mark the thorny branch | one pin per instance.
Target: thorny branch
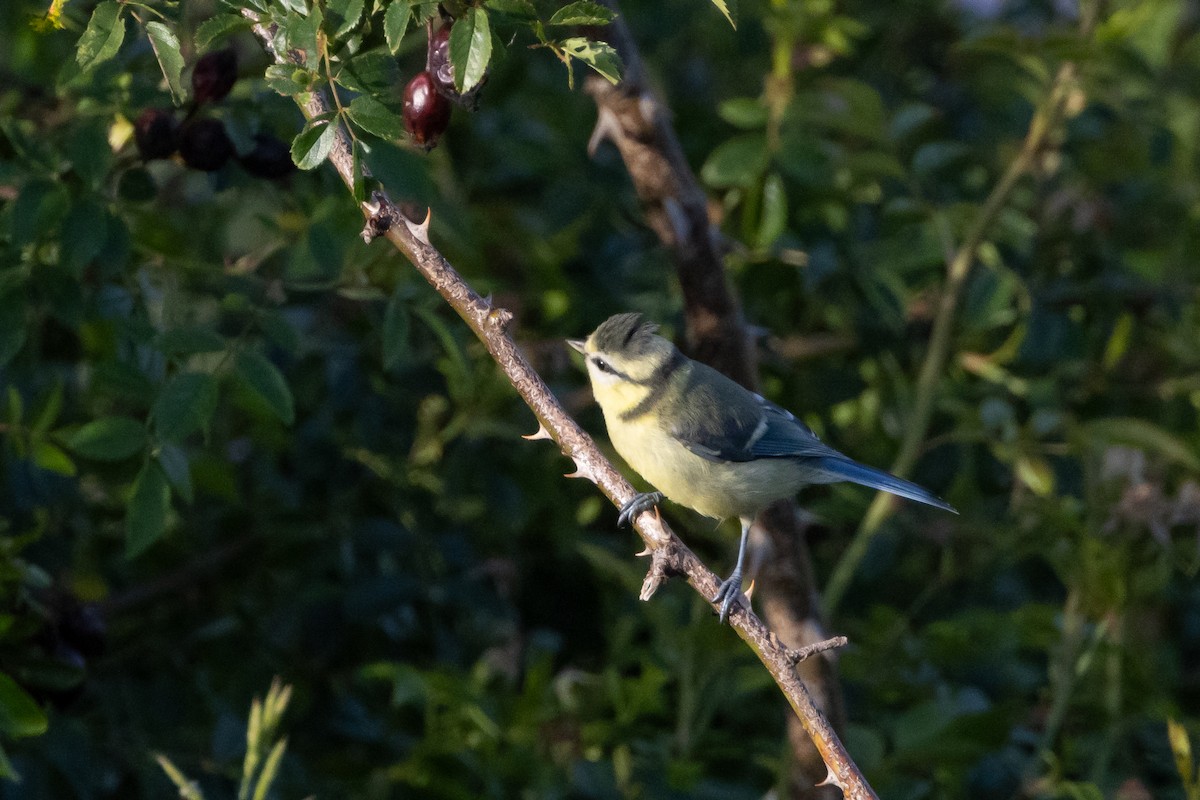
(668, 554)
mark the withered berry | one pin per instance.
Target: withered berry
(204, 145)
(214, 76)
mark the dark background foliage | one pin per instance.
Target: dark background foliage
(347, 502)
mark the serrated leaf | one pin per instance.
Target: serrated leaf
(470, 49)
(109, 439)
(395, 330)
(297, 6)
(20, 715)
(313, 144)
(103, 37)
(374, 117)
(175, 466)
(395, 23)
(165, 44)
(214, 28)
(375, 73)
(730, 9)
(146, 512)
(265, 379)
(185, 404)
(346, 14)
(600, 56)
(582, 13)
(303, 33)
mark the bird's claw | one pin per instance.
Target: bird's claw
(729, 592)
(642, 501)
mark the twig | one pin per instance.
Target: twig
(490, 324)
(958, 270)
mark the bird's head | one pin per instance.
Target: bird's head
(625, 359)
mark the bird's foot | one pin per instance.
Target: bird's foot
(728, 593)
(642, 501)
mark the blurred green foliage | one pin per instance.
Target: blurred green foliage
(237, 442)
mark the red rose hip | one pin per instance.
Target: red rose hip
(426, 113)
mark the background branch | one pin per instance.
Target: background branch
(676, 208)
(669, 554)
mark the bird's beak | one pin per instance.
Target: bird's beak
(576, 344)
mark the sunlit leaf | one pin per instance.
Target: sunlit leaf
(470, 49)
(103, 36)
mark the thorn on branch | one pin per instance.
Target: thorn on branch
(832, 780)
(796, 655)
(663, 565)
(607, 127)
(420, 230)
(540, 433)
(581, 471)
(500, 318)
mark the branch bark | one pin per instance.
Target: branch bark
(676, 208)
(669, 555)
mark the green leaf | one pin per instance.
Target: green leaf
(520, 9)
(730, 9)
(747, 113)
(49, 457)
(20, 715)
(395, 23)
(109, 439)
(375, 73)
(214, 28)
(470, 49)
(395, 330)
(302, 34)
(1142, 434)
(146, 513)
(103, 37)
(600, 56)
(582, 13)
(296, 6)
(344, 14)
(773, 221)
(185, 404)
(165, 44)
(175, 466)
(739, 161)
(265, 379)
(189, 341)
(313, 144)
(374, 117)
(1181, 748)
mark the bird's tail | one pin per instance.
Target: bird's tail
(844, 469)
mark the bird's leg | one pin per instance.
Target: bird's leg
(731, 588)
(642, 501)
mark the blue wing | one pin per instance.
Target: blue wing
(722, 421)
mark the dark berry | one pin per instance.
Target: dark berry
(214, 76)
(154, 133)
(271, 158)
(442, 71)
(426, 113)
(204, 145)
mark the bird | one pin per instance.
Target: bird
(706, 442)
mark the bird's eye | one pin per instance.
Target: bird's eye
(603, 365)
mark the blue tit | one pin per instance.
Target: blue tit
(706, 442)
